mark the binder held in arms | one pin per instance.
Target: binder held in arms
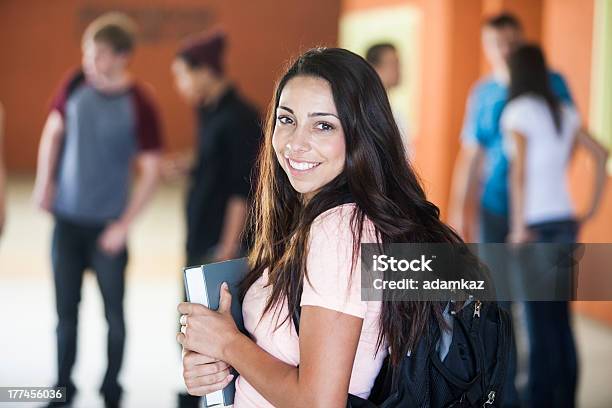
(203, 286)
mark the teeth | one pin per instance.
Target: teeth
(302, 165)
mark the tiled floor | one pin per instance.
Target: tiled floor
(152, 372)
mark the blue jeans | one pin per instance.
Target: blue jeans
(553, 362)
(494, 228)
(74, 249)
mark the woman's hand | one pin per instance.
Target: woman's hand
(203, 374)
(206, 331)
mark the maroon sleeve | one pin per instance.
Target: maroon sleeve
(148, 129)
(67, 86)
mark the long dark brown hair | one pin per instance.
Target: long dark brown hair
(529, 75)
(376, 177)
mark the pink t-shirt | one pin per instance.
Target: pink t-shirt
(331, 286)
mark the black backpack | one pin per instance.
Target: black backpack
(471, 373)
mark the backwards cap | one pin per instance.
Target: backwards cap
(205, 49)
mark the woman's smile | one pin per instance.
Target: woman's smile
(301, 167)
(308, 137)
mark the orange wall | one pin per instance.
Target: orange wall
(40, 41)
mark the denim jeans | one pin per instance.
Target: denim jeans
(75, 249)
(553, 362)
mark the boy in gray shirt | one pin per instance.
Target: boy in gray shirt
(100, 125)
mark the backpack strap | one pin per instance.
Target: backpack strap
(505, 339)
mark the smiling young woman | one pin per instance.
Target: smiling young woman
(308, 139)
(332, 174)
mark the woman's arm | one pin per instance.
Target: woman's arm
(518, 228)
(328, 344)
(600, 156)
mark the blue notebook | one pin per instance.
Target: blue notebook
(203, 285)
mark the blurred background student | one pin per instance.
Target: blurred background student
(541, 133)
(228, 136)
(385, 60)
(480, 213)
(101, 123)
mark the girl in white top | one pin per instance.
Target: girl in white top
(528, 121)
(540, 136)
